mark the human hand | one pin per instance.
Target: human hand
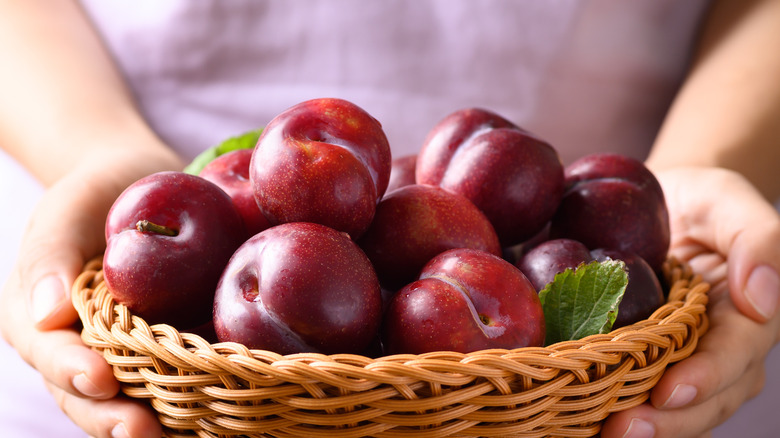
(65, 230)
(727, 232)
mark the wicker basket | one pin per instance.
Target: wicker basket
(226, 390)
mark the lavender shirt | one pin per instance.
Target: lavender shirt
(592, 75)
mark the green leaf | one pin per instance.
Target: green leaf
(583, 302)
(246, 140)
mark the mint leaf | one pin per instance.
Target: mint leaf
(583, 302)
(246, 140)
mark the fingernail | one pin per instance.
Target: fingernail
(47, 295)
(119, 431)
(639, 428)
(681, 396)
(84, 385)
(762, 290)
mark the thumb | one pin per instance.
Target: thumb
(753, 272)
(65, 229)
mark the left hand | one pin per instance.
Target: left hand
(726, 230)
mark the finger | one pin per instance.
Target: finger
(67, 363)
(729, 216)
(722, 357)
(645, 421)
(59, 355)
(117, 417)
(700, 392)
(713, 269)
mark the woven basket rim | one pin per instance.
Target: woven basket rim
(201, 389)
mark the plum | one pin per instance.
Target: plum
(512, 176)
(614, 202)
(643, 294)
(415, 223)
(169, 236)
(325, 161)
(552, 257)
(230, 172)
(402, 172)
(464, 300)
(299, 287)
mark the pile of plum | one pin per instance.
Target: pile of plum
(315, 240)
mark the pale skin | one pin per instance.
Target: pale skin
(65, 89)
(717, 217)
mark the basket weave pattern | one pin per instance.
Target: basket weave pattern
(226, 390)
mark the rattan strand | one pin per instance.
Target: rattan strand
(226, 390)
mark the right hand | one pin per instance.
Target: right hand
(727, 231)
(36, 315)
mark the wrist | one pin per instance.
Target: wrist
(122, 142)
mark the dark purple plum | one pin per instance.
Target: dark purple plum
(643, 294)
(611, 165)
(618, 206)
(299, 287)
(552, 257)
(513, 177)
